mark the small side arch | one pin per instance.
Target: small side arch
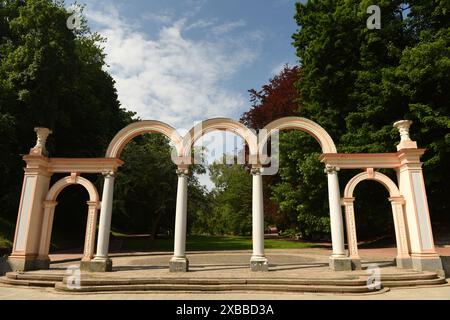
(226, 124)
(368, 175)
(397, 202)
(302, 124)
(138, 128)
(50, 204)
(70, 180)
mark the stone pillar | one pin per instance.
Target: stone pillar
(29, 219)
(412, 187)
(403, 258)
(179, 262)
(352, 240)
(338, 260)
(91, 227)
(258, 261)
(101, 262)
(43, 261)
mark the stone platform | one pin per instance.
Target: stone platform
(289, 271)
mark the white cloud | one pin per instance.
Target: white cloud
(278, 68)
(169, 77)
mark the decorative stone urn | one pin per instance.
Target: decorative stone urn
(405, 141)
(42, 135)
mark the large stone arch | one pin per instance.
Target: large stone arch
(397, 202)
(302, 124)
(141, 127)
(214, 124)
(338, 260)
(49, 211)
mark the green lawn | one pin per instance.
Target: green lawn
(205, 243)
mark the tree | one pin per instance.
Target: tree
(276, 99)
(51, 76)
(231, 202)
(356, 82)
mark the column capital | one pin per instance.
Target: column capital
(257, 170)
(399, 200)
(50, 203)
(331, 169)
(347, 200)
(93, 204)
(182, 171)
(109, 174)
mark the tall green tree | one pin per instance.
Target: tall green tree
(356, 82)
(54, 77)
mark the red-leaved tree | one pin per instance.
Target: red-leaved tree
(276, 99)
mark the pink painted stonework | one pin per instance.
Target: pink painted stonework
(414, 237)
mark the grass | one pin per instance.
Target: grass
(206, 243)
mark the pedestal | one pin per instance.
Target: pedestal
(340, 264)
(259, 264)
(179, 264)
(99, 265)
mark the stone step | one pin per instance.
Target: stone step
(207, 282)
(27, 283)
(35, 276)
(215, 288)
(95, 282)
(410, 276)
(414, 283)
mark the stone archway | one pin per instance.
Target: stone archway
(101, 262)
(258, 260)
(135, 129)
(339, 259)
(50, 204)
(403, 258)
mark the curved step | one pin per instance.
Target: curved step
(209, 282)
(414, 283)
(35, 276)
(213, 288)
(407, 277)
(27, 283)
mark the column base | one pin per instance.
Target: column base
(404, 262)
(42, 264)
(433, 264)
(179, 264)
(355, 263)
(19, 263)
(97, 265)
(258, 263)
(340, 263)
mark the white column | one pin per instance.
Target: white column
(258, 260)
(337, 230)
(179, 262)
(181, 215)
(104, 228)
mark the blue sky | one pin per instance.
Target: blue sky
(182, 61)
(186, 61)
